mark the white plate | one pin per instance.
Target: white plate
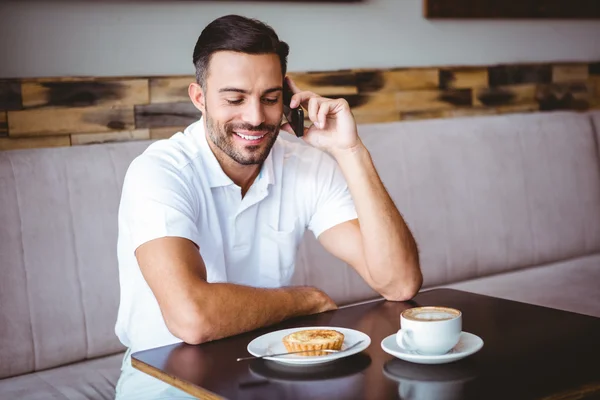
(467, 345)
(271, 343)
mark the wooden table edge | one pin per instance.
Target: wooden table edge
(187, 387)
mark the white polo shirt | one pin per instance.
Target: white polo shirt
(177, 188)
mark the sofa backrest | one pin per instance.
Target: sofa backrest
(482, 195)
(59, 290)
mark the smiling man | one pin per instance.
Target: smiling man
(210, 219)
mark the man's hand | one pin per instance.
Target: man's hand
(334, 128)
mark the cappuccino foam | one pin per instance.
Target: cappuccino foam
(431, 314)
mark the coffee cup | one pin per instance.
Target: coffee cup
(429, 330)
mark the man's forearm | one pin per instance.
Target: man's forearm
(228, 309)
(390, 250)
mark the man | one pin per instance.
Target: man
(210, 219)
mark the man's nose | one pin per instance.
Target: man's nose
(254, 113)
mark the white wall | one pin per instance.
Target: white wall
(120, 38)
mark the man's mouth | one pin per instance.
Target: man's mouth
(250, 137)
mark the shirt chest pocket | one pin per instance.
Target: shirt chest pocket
(277, 255)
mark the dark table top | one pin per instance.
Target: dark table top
(530, 352)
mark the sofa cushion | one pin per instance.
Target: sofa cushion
(569, 285)
(59, 291)
(92, 379)
(482, 195)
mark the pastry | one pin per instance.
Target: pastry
(313, 340)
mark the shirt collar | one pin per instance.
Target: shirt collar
(216, 175)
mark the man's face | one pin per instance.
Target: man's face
(243, 106)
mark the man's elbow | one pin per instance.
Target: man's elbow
(193, 327)
(403, 290)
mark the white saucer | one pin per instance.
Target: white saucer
(467, 344)
(271, 343)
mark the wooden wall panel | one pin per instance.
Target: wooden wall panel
(505, 95)
(40, 122)
(504, 75)
(121, 136)
(565, 96)
(170, 89)
(397, 80)
(463, 78)
(570, 73)
(10, 95)
(595, 84)
(66, 111)
(378, 117)
(372, 103)
(422, 100)
(7, 143)
(84, 93)
(165, 115)
(327, 83)
(594, 80)
(3, 124)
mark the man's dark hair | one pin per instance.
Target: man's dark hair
(236, 33)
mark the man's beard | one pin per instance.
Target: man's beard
(222, 137)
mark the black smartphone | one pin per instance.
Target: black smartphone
(295, 116)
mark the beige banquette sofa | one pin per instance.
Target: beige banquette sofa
(502, 205)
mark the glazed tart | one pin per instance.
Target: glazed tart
(313, 340)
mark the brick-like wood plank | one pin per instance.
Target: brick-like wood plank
(375, 117)
(166, 115)
(121, 136)
(463, 78)
(10, 95)
(518, 108)
(170, 89)
(594, 82)
(395, 80)
(505, 75)
(166, 132)
(422, 100)
(505, 95)
(85, 93)
(8, 143)
(565, 96)
(422, 115)
(56, 121)
(327, 83)
(469, 112)
(3, 124)
(382, 103)
(570, 73)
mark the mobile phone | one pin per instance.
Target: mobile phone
(295, 116)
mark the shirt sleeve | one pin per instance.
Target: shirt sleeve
(157, 202)
(333, 203)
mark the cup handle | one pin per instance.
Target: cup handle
(406, 341)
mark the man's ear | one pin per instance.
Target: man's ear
(197, 96)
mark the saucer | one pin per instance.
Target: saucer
(467, 344)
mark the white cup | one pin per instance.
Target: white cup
(429, 330)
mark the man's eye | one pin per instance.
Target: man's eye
(271, 100)
(234, 102)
